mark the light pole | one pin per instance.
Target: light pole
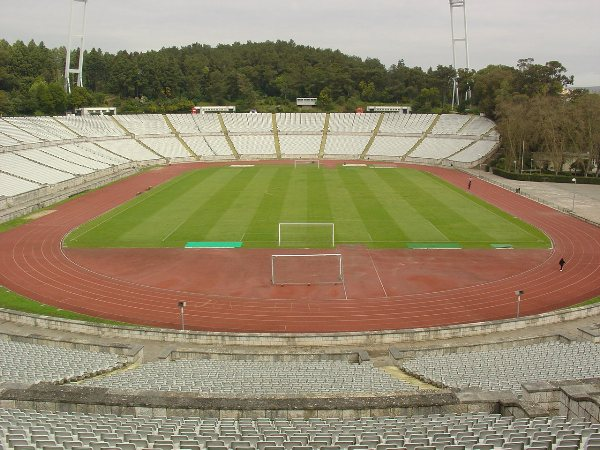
(182, 306)
(518, 294)
(574, 180)
(515, 161)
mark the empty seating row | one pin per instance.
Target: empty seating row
(254, 144)
(508, 369)
(352, 122)
(92, 126)
(449, 124)
(346, 144)
(168, 147)
(406, 123)
(300, 123)
(60, 430)
(254, 378)
(32, 363)
(248, 123)
(144, 124)
(11, 185)
(19, 166)
(299, 144)
(392, 146)
(439, 148)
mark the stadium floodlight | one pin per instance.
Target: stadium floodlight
(306, 234)
(463, 38)
(76, 42)
(307, 269)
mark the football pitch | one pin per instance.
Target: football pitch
(379, 208)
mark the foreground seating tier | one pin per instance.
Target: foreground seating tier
(508, 369)
(255, 378)
(32, 363)
(40, 429)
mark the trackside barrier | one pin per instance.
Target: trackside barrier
(314, 339)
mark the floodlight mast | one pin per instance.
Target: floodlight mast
(76, 41)
(464, 38)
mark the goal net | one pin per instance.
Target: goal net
(307, 162)
(321, 268)
(306, 234)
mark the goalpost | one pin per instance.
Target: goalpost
(319, 268)
(306, 234)
(307, 162)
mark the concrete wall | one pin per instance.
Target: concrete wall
(104, 401)
(282, 339)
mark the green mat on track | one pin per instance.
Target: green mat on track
(213, 245)
(501, 246)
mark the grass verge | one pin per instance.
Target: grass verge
(13, 301)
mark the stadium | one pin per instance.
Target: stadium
(291, 280)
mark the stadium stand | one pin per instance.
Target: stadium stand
(15, 133)
(183, 123)
(300, 145)
(92, 126)
(93, 152)
(128, 148)
(352, 122)
(46, 157)
(18, 166)
(199, 146)
(449, 124)
(74, 157)
(406, 123)
(474, 152)
(508, 369)
(208, 123)
(254, 145)
(477, 126)
(219, 146)
(144, 124)
(248, 122)
(32, 363)
(11, 185)
(438, 148)
(391, 146)
(350, 146)
(168, 147)
(300, 123)
(255, 378)
(44, 128)
(475, 431)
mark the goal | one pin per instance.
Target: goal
(306, 234)
(318, 268)
(307, 162)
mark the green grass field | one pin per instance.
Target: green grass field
(380, 208)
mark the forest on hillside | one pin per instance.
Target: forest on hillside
(527, 101)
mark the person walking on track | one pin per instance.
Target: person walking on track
(562, 263)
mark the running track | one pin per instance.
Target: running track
(230, 290)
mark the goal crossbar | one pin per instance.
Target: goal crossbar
(316, 268)
(306, 225)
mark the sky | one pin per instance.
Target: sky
(416, 31)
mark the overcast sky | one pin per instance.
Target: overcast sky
(417, 31)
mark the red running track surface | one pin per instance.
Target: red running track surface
(230, 290)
